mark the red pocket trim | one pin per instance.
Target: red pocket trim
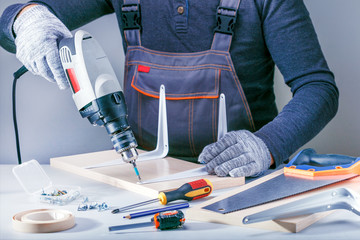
(142, 68)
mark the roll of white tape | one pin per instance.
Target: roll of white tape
(43, 220)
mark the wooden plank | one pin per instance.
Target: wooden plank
(295, 224)
(123, 176)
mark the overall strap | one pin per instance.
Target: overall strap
(131, 22)
(225, 22)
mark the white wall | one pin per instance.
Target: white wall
(48, 121)
(50, 125)
(337, 25)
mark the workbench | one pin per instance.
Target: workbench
(92, 224)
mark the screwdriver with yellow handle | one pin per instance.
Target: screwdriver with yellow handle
(189, 191)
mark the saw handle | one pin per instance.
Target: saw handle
(309, 163)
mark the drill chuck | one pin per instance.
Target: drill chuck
(125, 144)
(110, 111)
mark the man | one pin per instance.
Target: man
(174, 42)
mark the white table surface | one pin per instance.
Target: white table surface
(92, 224)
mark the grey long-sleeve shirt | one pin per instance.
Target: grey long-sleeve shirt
(267, 32)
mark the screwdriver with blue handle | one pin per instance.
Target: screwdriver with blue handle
(188, 191)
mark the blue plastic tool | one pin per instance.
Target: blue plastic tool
(309, 163)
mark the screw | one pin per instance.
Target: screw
(85, 199)
(103, 207)
(93, 205)
(82, 207)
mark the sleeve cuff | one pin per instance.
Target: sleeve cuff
(274, 153)
(7, 37)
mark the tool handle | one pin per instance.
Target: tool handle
(310, 157)
(309, 163)
(189, 191)
(169, 219)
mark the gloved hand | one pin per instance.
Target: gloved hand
(238, 154)
(37, 34)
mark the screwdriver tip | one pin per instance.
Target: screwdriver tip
(115, 211)
(139, 178)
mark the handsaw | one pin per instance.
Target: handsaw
(305, 172)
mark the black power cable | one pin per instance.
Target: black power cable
(16, 75)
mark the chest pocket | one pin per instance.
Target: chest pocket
(192, 93)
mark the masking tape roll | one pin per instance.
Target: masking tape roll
(43, 220)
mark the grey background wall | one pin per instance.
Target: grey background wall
(50, 125)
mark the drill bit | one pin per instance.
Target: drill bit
(136, 170)
(130, 155)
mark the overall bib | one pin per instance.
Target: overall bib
(193, 84)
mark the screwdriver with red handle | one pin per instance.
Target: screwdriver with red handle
(188, 191)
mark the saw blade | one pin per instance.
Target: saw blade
(274, 189)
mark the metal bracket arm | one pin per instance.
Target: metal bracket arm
(340, 198)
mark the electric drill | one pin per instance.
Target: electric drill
(96, 91)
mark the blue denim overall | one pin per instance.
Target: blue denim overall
(193, 83)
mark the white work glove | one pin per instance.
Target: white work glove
(238, 154)
(37, 34)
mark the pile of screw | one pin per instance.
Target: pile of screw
(59, 197)
(54, 193)
(93, 205)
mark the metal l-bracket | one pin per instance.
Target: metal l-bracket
(162, 145)
(222, 124)
(340, 198)
(222, 130)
